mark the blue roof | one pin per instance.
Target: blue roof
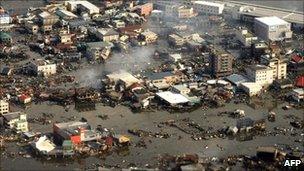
(236, 79)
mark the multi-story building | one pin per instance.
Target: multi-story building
(4, 107)
(245, 37)
(221, 63)
(278, 65)
(43, 67)
(272, 28)
(260, 74)
(205, 7)
(84, 6)
(16, 121)
(145, 9)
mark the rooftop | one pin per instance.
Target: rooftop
(172, 98)
(271, 21)
(209, 3)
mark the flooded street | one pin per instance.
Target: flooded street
(121, 119)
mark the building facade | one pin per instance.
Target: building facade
(260, 74)
(43, 67)
(245, 37)
(278, 65)
(4, 107)
(272, 28)
(205, 7)
(221, 64)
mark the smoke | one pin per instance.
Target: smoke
(138, 58)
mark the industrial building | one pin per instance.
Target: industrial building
(272, 28)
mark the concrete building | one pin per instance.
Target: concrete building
(251, 88)
(176, 40)
(145, 9)
(98, 50)
(43, 67)
(4, 107)
(83, 6)
(172, 98)
(77, 132)
(65, 36)
(148, 36)
(5, 19)
(278, 65)
(107, 34)
(205, 7)
(260, 74)
(16, 121)
(46, 18)
(272, 28)
(245, 37)
(185, 12)
(221, 64)
(181, 89)
(297, 94)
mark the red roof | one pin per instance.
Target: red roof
(23, 97)
(297, 58)
(300, 81)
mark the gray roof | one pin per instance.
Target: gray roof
(158, 75)
(236, 79)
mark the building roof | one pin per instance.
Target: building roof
(236, 79)
(71, 125)
(258, 67)
(300, 81)
(94, 45)
(172, 98)
(126, 77)
(158, 75)
(11, 116)
(44, 144)
(271, 21)
(107, 31)
(209, 3)
(4, 35)
(299, 91)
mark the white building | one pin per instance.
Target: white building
(272, 28)
(107, 34)
(278, 65)
(297, 94)
(206, 7)
(16, 121)
(5, 19)
(260, 74)
(84, 6)
(172, 98)
(43, 67)
(4, 107)
(251, 88)
(245, 37)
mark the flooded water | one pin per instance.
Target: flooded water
(121, 119)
